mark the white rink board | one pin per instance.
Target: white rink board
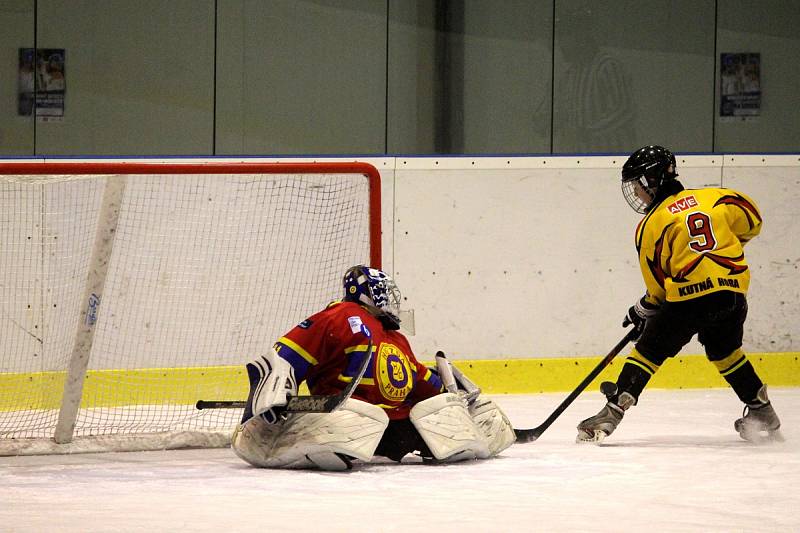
(501, 261)
(534, 256)
(774, 301)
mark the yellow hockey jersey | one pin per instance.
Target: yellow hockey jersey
(691, 244)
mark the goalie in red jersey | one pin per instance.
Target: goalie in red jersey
(399, 406)
(691, 254)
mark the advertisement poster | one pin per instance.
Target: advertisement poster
(740, 85)
(42, 83)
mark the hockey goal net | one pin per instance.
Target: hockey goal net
(129, 291)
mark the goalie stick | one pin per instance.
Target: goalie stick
(313, 403)
(530, 435)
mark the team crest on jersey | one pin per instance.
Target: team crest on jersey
(682, 205)
(394, 372)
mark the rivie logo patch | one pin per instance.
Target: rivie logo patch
(682, 205)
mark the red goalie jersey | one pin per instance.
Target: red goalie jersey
(326, 350)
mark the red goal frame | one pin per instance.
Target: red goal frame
(368, 170)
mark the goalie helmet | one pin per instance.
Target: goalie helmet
(375, 290)
(645, 172)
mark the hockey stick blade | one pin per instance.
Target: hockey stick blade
(314, 403)
(530, 435)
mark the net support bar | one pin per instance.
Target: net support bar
(108, 218)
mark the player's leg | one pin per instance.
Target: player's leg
(402, 436)
(721, 334)
(663, 337)
(448, 429)
(313, 440)
(493, 423)
(400, 439)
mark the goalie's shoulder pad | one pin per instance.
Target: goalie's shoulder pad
(494, 424)
(448, 429)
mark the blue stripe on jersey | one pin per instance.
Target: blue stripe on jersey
(356, 356)
(298, 362)
(433, 379)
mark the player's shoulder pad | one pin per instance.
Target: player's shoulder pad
(334, 303)
(345, 310)
(330, 312)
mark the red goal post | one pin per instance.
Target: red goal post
(128, 291)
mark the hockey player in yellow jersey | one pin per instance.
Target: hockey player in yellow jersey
(691, 254)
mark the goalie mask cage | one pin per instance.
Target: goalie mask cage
(128, 291)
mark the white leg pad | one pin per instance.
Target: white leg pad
(312, 440)
(447, 428)
(494, 425)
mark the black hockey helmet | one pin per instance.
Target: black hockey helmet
(644, 173)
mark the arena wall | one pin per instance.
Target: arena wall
(521, 268)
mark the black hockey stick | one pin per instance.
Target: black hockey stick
(530, 435)
(313, 403)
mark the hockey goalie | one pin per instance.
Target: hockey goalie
(398, 405)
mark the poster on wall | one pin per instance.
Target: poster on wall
(42, 83)
(740, 86)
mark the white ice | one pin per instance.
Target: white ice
(674, 464)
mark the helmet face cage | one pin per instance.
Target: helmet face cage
(645, 171)
(373, 288)
(630, 190)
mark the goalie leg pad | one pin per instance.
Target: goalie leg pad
(494, 424)
(313, 440)
(447, 428)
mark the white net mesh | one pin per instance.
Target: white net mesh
(206, 271)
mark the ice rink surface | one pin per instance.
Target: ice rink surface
(674, 464)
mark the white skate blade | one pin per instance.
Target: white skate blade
(590, 436)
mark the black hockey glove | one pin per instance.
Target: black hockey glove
(638, 315)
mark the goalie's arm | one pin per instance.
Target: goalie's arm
(275, 376)
(427, 384)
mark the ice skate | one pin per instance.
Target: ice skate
(759, 422)
(596, 428)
